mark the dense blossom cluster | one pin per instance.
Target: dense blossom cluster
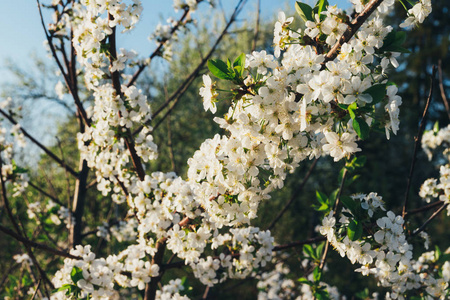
(291, 106)
(386, 254)
(276, 285)
(434, 188)
(292, 111)
(99, 275)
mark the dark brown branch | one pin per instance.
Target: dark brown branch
(157, 51)
(44, 193)
(417, 144)
(424, 208)
(152, 286)
(256, 32)
(335, 209)
(352, 29)
(188, 81)
(53, 156)
(32, 244)
(300, 243)
(434, 215)
(441, 88)
(294, 195)
(69, 83)
(314, 240)
(115, 76)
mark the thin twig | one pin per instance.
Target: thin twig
(115, 76)
(188, 81)
(335, 208)
(53, 156)
(314, 240)
(300, 243)
(69, 85)
(44, 193)
(424, 208)
(256, 32)
(434, 215)
(418, 139)
(352, 29)
(32, 244)
(441, 88)
(157, 51)
(36, 290)
(205, 294)
(294, 195)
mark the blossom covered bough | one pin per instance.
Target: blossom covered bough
(320, 93)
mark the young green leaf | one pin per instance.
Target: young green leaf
(321, 197)
(305, 11)
(377, 91)
(361, 128)
(319, 7)
(354, 230)
(393, 42)
(317, 274)
(76, 274)
(219, 69)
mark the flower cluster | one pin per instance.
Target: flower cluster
(386, 253)
(97, 276)
(122, 231)
(50, 212)
(171, 291)
(417, 13)
(434, 188)
(278, 284)
(284, 113)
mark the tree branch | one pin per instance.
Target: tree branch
(418, 139)
(157, 51)
(32, 244)
(53, 156)
(295, 194)
(352, 29)
(188, 81)
(441, 88)
(434, 215)
(335, 208)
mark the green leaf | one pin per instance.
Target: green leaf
(219, 69)
(321, 6)
(63, 288)
(321, 197)
(354, 230)
(377, 91)
(239, 61)
(76, 274)
(323, 207)
(349, 203)
(305, 281)
(393, 42)
(437, 252)
(305, 11)
(319, 250)
(317, 274)
(308, 250)
(436, 127)
(363, 294)
(361, 128)
(351, 113)
(359, 161)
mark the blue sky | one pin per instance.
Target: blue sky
(22, 34)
